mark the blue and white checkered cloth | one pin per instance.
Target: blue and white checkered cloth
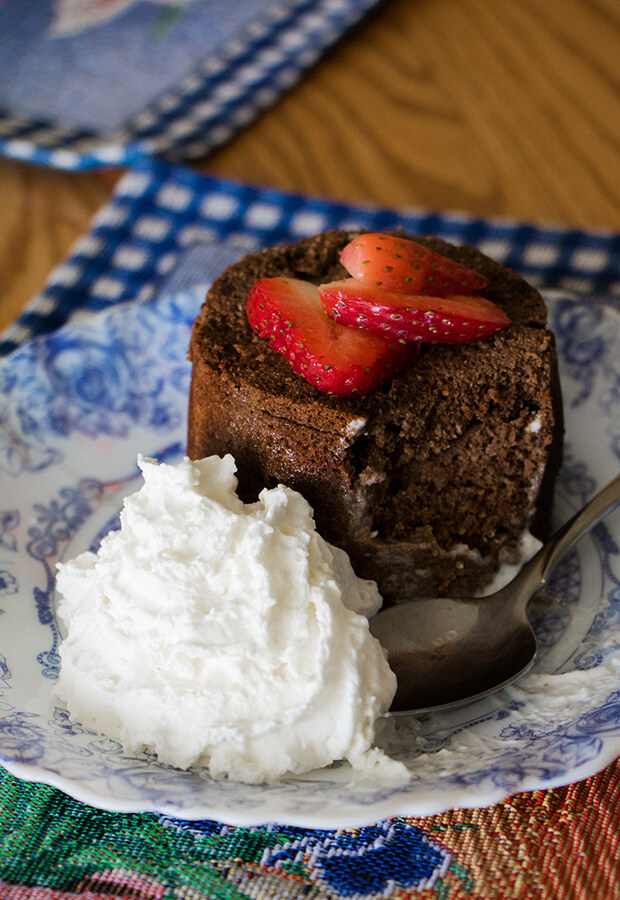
(165, 223)
(69, 99)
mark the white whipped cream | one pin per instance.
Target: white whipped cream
(223, 634)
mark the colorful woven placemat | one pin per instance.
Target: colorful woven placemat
(561, 843)
(88, 83)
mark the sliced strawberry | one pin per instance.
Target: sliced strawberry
(456, 319)
(398, 264)
(333, 358)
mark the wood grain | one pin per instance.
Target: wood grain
(504, 108)
(43, 213)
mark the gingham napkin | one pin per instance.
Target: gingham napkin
(105, 82)
(165, 222)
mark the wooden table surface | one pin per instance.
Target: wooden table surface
(493, 107)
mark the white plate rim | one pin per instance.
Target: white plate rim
(397, 803)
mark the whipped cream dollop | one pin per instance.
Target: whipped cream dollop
(223, 634)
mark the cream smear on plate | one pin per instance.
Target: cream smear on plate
(536, 703)
(222, 634)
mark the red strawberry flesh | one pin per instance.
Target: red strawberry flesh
(398, 264)
(455, 319)
(332, 357)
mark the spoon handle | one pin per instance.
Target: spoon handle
(538, 570)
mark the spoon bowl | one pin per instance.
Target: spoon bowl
(445, 651)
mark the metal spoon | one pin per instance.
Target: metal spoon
(445, 652)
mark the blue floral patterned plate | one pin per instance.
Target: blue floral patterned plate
(75, 409)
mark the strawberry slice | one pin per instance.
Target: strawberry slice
(398, 264)
(456, 319)
(333, 358)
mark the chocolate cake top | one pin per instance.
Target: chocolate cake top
(222, 334)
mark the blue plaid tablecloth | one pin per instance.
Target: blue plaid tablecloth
(161, 214)
(88, 83)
